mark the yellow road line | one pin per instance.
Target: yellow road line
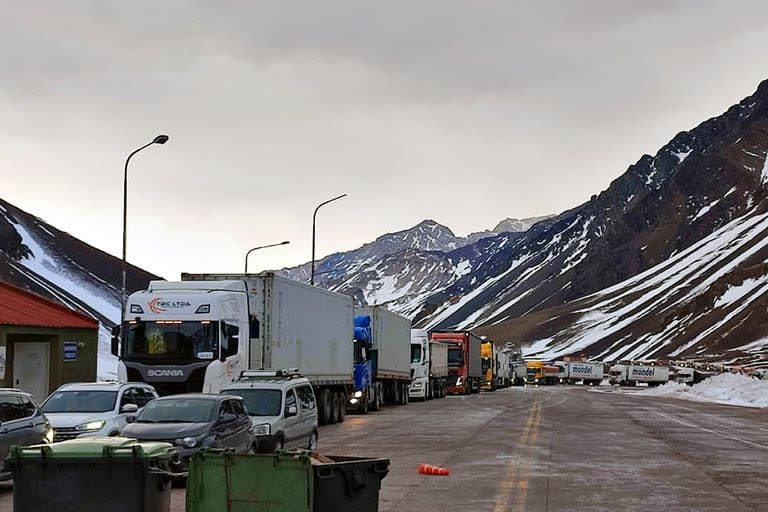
(525, 442)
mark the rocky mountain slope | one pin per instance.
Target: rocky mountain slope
(545, 286)
(40, 258)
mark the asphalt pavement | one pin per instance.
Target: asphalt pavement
(558, 449)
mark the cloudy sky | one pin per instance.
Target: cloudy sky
(463, 112)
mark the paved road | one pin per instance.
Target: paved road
(559, 449)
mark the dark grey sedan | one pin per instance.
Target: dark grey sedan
(193, 422)
(21, 423)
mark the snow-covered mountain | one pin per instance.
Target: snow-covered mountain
(531, 287)
(42, 259)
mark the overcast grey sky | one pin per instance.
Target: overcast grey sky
(464, 112)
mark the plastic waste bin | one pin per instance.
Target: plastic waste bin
(283, 482)
(92, 475)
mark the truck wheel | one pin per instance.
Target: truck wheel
(375, 398)
(333, 412)
(363, 407)
(405, 393)
(428, 394)
(325, 406)
(342, 406)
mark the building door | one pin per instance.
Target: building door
(30, 368)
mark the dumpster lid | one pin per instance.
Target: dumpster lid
(95, 448)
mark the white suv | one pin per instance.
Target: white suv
(282, 407)
(90, 409)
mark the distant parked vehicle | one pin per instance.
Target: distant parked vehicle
(691, 376)
(193, 422)
(282, 407)
(634, 374)
(429, 367)
(586, 372)
(94, 409)
(22, 423)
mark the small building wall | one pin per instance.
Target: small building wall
(61, 371)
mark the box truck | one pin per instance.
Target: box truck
(464, 365)
(382, 348)
(634, 374)
(199, 334)
(429, 367)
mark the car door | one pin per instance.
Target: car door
(37, 423)
(243, 426)
(307, 413)
(13, 429)
(292, 429)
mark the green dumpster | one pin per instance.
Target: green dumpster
(92, 475)
(283, 482)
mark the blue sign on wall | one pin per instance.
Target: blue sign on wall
(70, 350)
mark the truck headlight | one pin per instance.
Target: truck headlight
(91, 426)
(416, 385)
(262, 429)
(48, 438)
(358, 394)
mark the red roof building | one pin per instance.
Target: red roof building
(19, 307)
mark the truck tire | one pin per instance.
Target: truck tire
(342, 406)
(333, 412)
(323, 406)
(406, 398)
(363, 407)
(376, 402)
(430, 393)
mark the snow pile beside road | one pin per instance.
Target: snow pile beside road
(727, 388)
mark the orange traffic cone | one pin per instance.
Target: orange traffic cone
(426, 469)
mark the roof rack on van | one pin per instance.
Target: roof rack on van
(290, 373)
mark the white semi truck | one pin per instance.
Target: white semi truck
(588, 373)
(634, 374)
(198, 334)
(429, 367)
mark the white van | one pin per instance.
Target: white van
(282, 407)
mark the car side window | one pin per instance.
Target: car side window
(306, 398)
(30, 409)
(127, 398)
(237, 407)
(290, 400)
(142, 396)
(11, 409)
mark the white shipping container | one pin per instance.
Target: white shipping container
(503, 370)
(301, 326)
(586, 371)
(640, 373)
(438, 357)
(392, 340)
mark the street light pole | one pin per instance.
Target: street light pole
(160, 139)
(314, 217)
(261, 247)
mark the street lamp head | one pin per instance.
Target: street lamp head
(160, 139)
(285, 243)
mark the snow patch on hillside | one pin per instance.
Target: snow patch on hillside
(736, 293)
(727, 388)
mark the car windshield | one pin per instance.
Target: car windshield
(415, 353)
(259, 402)
(171, 340)
(80, 401)
(182, 410)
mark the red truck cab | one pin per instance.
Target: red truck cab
(464, 362)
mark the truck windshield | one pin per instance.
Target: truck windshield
(455, 355)
(259, 402)
(171, 341)
(415, 353)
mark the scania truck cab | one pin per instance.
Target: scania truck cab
(184, 337)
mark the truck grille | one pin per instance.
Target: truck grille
(64, 434)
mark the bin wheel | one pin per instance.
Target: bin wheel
(312, 446)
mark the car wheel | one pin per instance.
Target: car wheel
(279, 444)
(312, 446)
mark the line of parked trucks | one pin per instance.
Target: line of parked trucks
(200, 333)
